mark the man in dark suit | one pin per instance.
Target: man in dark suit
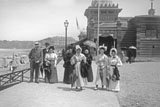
(46, 49)
(44, 67)
(36, 59)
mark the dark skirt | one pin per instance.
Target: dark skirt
(46, 69)
(90, 74)
(67, 73)
(47, 74)
(53, 74)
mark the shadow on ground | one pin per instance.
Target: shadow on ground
(70, 89)
(8, 86)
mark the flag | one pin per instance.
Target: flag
(77, 23)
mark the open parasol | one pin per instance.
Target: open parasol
(132, 47)
(90, 43)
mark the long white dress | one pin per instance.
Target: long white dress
(102, 62)
(115, 61)
(76, 59)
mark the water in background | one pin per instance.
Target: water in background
(8, 54)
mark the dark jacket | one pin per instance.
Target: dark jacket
(89, 58)
(36, 55)
(67, 57)
(44, 52)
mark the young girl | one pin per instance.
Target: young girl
(115, 63)
(102, 62)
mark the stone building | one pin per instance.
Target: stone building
(147, 29)
(142, 32)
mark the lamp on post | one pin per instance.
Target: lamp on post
(66, 25)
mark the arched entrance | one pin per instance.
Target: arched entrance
(108, 41)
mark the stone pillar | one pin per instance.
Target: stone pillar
(138, 44)
(118, 37)
(118, 45)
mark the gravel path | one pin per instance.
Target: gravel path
(140, 85)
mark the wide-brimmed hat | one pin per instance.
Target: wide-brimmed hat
(103, 47)
(51, 47)
(36, 43)
(78, 47)
(113, 49)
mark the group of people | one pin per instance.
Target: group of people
(78, 70)
(78, 66)
(44, 60)
(108, 75)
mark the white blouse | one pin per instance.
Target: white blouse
(78, 58)
(116, 61)
(51, 57)
(102, 60)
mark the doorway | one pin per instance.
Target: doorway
(108, 41)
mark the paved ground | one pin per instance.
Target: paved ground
(56, 95)
(140, 85)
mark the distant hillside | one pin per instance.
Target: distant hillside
(16, 44)
(57, 41)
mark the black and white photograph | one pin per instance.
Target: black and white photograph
(79, 53)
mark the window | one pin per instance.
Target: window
(103, 12)
(151, 33)
(110, 12)
(95, 12)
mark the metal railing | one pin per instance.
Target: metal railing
(17, 76)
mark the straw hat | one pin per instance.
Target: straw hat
(36, 43)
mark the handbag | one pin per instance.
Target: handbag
(83, 69)
(115, 75)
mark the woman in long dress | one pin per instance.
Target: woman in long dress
(76, 61)
(115, 63)
(89, 59)
(103, 75)
(68, 67)
(51, 60)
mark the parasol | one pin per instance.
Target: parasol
(132, 47)
(90, 43)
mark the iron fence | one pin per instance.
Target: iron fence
(17, 76)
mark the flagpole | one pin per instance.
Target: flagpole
(77, 24)
(98, 26)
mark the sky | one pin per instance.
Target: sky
(38, 19)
